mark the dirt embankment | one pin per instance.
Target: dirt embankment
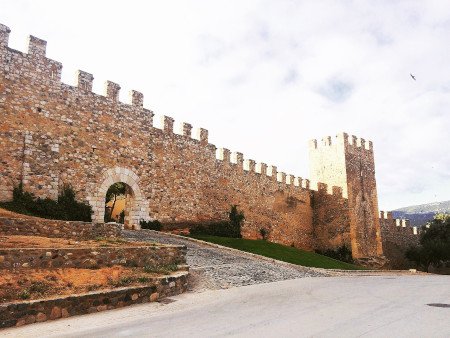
(23, 284)
(17, 241)
(11, 214)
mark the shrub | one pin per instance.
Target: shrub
(151, 225)
(125, 281)
(161, 269)
(221, 229)
(231, 228)
(434, 248)
(75, 211)
(236, 217)
(66, 208)
(38, 287)
(264, 233)
(24, 294)
(143, 279)
(343, 253)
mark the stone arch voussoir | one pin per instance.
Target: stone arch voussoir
(138, 210)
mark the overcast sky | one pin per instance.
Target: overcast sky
(264, 77)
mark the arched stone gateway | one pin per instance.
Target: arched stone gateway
(137, 204)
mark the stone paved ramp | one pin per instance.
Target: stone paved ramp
(218, 268)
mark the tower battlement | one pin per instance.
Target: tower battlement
(347, 162)
(4, 36)
(342, 139)
(37, 47)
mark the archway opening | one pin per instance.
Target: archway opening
(118, 203)
(136, 205)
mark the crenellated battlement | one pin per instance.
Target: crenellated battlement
(84, 82)
(36, 47)
(398, 235)
(237, 161)
(325, 189)
(341, 139)
(4, 36)
(388, 223)
(386, 214)
(136, 98)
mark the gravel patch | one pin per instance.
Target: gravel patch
(218, 268)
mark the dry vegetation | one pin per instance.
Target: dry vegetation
(22, 284)
(56, 243)
(28, 284)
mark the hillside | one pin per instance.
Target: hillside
(420, 214)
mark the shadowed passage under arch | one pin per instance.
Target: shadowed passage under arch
(136, 205)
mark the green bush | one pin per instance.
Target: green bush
(221, 229)
(151, 225)
(24, 294)
(343, 253)
(66, 208)
(231, 228)
(434, 248)
(74, 210)
(264, 233)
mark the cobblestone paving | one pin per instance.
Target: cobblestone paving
(216, 268)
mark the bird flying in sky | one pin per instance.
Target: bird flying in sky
(413, 77)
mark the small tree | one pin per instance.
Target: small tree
(70, 208)
(264, 233)
(114, 191)
(236, 218)
(434, 248)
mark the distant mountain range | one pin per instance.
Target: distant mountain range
(421, 214)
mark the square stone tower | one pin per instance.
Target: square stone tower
(348, 162)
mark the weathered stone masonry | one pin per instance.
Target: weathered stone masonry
(52, 134)
(398, 236)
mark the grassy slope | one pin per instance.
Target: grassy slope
(280, 252)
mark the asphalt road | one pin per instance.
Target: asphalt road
(381, 306)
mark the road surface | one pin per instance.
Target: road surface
(357, 306)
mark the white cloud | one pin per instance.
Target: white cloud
(266, 76)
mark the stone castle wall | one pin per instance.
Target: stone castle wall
(53, 134)
(331, 219)
(347, 162)
(398, 235)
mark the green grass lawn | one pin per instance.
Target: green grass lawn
(280, 252)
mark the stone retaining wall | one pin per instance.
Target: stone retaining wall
(28, 312)
(89, 258)
(55, 228)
